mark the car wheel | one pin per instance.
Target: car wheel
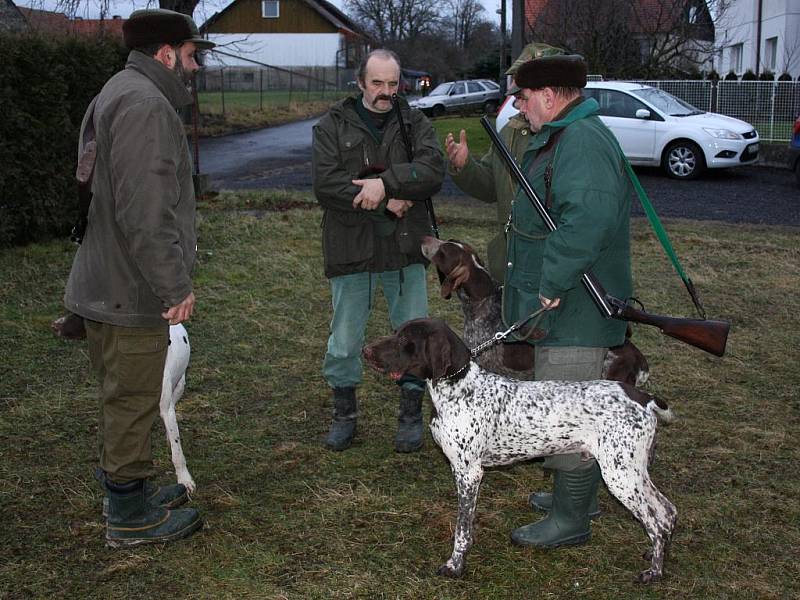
(438, 110)
(683, 160)
(490, 107)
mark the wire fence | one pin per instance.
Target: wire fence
(222, 90)
(769, 106)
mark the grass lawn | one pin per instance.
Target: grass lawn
(287, 519)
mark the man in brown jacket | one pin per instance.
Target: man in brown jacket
(130, 278)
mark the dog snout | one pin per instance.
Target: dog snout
(430, 246)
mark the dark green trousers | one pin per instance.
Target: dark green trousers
(129, 364)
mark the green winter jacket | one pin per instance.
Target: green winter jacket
(488, 180)
(355, 240)
(139, 248)
(591, 196)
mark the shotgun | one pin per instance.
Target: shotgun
(410, 155)
(708, 335)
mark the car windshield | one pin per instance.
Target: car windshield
(441, 90)
(667, 103)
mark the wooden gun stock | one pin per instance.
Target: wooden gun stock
(708, 335)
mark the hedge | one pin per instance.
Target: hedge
(45, 87)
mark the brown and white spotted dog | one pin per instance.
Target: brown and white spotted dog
(482, 419)
(463, 273)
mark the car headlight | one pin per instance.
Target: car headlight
(725, 134)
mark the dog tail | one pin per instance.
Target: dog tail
(663, 412)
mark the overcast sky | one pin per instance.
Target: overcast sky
(205, 9)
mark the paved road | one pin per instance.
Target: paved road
(280, 157)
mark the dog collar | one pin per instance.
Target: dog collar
(457, 375)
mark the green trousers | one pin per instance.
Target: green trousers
(567, 363)
(129, 364)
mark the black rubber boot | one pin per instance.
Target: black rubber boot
(132, 520)
(343, 425)
(166, 496)
(409, 421)
(567, 523)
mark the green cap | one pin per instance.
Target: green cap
(531, 51)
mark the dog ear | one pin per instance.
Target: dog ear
(439, 358)
(454, 280)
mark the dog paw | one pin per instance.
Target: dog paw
(188, 483)
(648, 576)
(449, 570)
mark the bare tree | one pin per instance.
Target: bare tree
(392, 21)
(462, 17)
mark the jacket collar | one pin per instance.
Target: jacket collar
(585, 108)
(167, 82)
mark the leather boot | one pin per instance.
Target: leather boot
(409, 421)
(567, 523)
(132, 520)
(166, 496)
(343, 425)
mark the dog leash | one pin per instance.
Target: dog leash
(501, 335)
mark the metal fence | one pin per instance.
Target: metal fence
(770, 106)
(222, 90)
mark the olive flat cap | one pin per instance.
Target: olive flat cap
(564, 70)
(531, 51)
(161, 26)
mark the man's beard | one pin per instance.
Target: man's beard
(184, 75)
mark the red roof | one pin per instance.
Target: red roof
(45, 21)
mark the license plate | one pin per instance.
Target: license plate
(752, 148)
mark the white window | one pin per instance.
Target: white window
(270, 9)
(693, 14)
(735, 60)
(771, 53)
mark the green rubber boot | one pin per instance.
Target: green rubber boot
(409, 421)
(543, 502)
(567, 523)
(132, 520)
(343, 425)
(166, 496)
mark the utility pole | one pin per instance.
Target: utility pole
(517, 27)
(503, 43)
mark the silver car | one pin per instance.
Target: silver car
(460, 96)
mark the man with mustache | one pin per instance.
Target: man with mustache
(374, 220)
(130, 278)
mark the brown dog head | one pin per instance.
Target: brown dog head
(425, 348)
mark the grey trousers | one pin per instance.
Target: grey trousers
(567, 363)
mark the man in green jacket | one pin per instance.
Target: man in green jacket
(575, 165)
(488, 179)
(374, 219)
(130, 278)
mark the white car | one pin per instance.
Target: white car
(656, 128)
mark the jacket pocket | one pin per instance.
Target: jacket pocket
(347, 238)
(141, 362)
(355, 156)
(521, 299)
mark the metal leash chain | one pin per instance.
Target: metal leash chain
(501, 335)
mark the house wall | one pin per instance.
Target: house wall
(10, 18)
(295, 17)
(739, 25)
(277, 49)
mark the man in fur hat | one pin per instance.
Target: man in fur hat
(130, 278)
(487, 178)
(576, 167)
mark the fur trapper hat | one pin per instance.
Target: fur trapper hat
(161, 26)
(565, 70)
